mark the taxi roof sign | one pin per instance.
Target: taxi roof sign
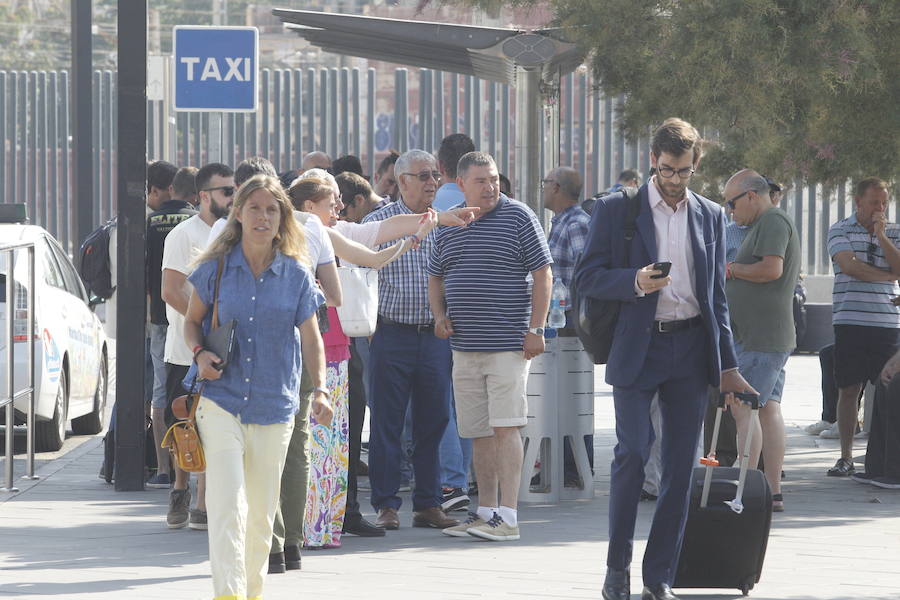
(13, 213)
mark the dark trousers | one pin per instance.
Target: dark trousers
(675, 366)
(407, 368)
(357, 408)
(829, 384)
(883, 450)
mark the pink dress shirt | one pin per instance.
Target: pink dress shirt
(678, 300)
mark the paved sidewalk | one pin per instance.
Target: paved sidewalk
(70, 535)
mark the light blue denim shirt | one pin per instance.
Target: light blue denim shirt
(261, 383)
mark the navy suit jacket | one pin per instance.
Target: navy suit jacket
(599, 276)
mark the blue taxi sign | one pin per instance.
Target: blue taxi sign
(216, 68)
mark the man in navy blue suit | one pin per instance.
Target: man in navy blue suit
(672, 337)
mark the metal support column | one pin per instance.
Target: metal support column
(131, 304)
(82, 100)
(528, 127)
(550, 119)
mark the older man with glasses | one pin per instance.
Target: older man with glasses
(863, 249)
(408, 364)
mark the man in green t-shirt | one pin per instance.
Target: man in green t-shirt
(760, 291)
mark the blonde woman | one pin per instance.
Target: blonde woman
(245, 415)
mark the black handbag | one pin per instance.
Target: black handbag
(220, 339)
(595, 320)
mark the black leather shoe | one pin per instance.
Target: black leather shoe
(359, 526)
(660, 591)
(276, 562)
(617, 585)
(291, 558)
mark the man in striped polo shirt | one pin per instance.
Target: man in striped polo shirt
(863, 249)
(479, 294)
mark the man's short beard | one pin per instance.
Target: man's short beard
(667, 191)
(217, 211)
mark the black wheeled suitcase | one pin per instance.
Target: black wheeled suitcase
(727, 532)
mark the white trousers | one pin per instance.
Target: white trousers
(243, 480)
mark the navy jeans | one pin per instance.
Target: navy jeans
(456, 455)
(408, 368)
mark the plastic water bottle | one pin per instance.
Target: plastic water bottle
(559, 303)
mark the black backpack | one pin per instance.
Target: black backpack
(588, 205)
(595, 320)
(94, 267)
(108, 468)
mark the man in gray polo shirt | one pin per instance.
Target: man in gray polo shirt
(863, 249)
(481, 299)
(760, 291)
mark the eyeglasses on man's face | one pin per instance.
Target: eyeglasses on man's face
(667, 172)
(546, 182)
(424, 176)
(227, 190)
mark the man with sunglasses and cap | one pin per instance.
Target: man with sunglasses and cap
(759, 287)
(215, 189)
(863, 249)
(734, 233)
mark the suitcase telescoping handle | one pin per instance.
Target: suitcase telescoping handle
(710, 460)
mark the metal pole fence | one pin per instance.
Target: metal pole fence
(13, 290)
(339, 111)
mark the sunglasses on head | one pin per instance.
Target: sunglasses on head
(227, 190)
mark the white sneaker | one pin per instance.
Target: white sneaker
(496, 530)
(461, 530)
(817, 428)
(832, 433)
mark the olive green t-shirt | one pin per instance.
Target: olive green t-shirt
(762, 314)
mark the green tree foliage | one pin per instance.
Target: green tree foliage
(28, 35)
(803, 89)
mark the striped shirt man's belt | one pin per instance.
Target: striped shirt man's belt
(427, 328)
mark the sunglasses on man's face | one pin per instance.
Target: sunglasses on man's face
(730, 203)
(227, 190)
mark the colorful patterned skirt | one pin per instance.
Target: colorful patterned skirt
(329, 452)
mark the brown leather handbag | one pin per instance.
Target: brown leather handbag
(182, 439)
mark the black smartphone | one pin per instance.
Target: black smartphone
(661, 266)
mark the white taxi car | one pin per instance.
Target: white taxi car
(71, 356)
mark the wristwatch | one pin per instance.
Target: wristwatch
(537, 331)
(324, 390)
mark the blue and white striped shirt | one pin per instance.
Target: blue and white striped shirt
(403, 284)
(484, 267)
(857, 302)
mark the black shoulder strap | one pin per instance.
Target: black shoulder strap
(633, 209)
